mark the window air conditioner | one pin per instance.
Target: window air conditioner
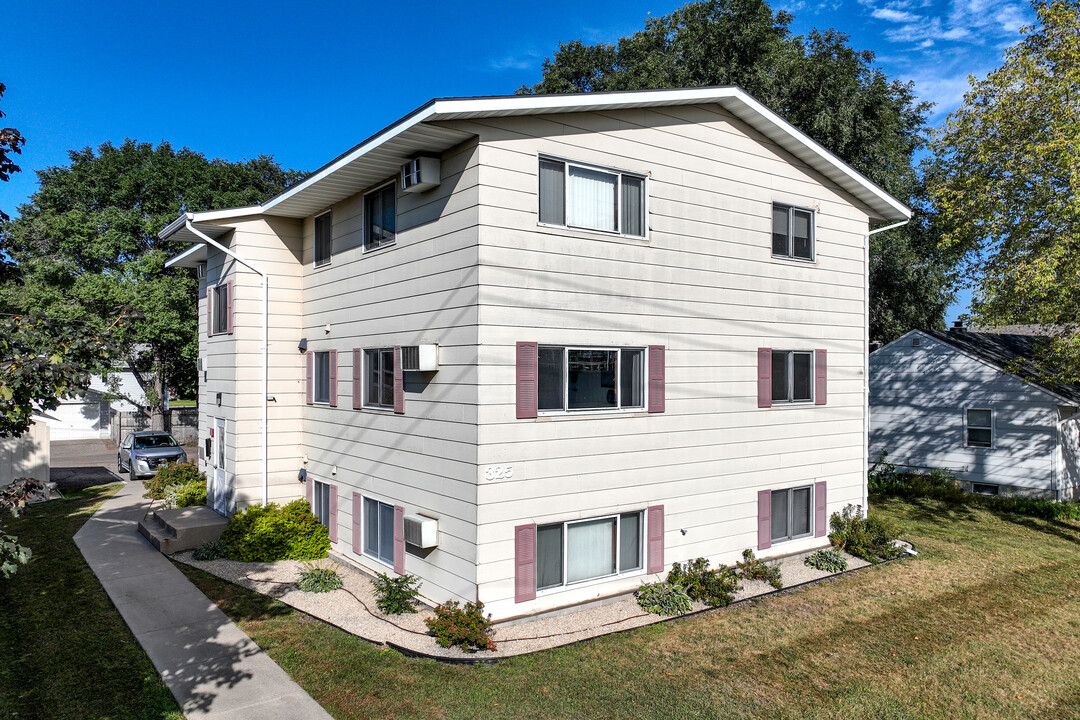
(421, 358)
(421, 531)
(420, 174)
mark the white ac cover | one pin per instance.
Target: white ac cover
(420, 358)
(420, 531)
(420, 174)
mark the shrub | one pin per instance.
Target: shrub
(715, 588)
(190, 495)
(870, 538)
(755, 569)
(396, 595)
(319, 579)
(172, 474)
(663, 599)
(827, 560)
(266, 533)
(465, 627)
(209, 550)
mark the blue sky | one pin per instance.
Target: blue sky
(304, 82)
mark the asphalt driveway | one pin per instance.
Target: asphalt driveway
(83, 463)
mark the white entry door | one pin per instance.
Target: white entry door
(221, 482)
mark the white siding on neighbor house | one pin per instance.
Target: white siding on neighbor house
(704, 285)
(918, 402)
(1069, 432)
(27, 455)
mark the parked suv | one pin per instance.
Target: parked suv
(143, 452)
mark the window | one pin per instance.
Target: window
(322, 377)
(792, 376)
(320, 503)
(221, 309)
(793, 232)
(379, 378)
(985, 489)
(380, 217)
(580, 550)
(591, 198)
(980, 431)
(573, 379)
(324, 241)
(791, 513)
(379, 530)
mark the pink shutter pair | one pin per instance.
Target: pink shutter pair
(764, 377)
(309, 395)
(210, 308)
(399, 532)
(764, 523)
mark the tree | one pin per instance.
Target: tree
(1005, 180)
(819, 84)
(86, 245)
(11, 142)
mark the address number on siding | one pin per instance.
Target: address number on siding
(499, 472)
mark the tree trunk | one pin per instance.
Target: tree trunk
(158, 418)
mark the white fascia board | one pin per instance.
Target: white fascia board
(206, 216)
(184, 258)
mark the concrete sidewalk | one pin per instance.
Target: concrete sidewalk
(212, 668)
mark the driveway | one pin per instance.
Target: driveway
(83, 463)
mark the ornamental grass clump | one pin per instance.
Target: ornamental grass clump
(209, 550)
(870, 538)
(466, 627)
(396, 595)
(715, 588)
(267, 533)
(316, 578)
(826, 560)
(663, 599)
(754, 569)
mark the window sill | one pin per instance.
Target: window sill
(321, 266)
(570, 231)
(384, 246)
(589, 583)
(378, 409)
(786, 404)
(591, 415)
(802, 261)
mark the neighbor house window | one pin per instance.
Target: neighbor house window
(380, 217)
(591, 198)
(379, 378)
(324, 243)
(379, 530)
(221, 308)
(791, 513)
(320, 502)
(580, 550)
(572, 379)
(980, 428)
(792, 376)
(322, 377)
(793, 232)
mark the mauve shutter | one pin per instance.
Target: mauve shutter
(764, 519)
(655, 550)
(209, 310)
(656, 378)
(333, 378)
(399, 382)
(333, 514)
(229, 308)
(526, 380)
(309, 489)
(821, 372)
(357, 509)
(764, 377)
(821, 526)
(310, 377)
(399, 540)
(357, 384)
(525, 563)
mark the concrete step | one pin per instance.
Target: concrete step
(173, 531)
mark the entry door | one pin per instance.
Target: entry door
(222, 481)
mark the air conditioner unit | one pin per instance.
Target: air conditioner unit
(420, 174)
(421, 531)
(420, 358)
(200, 271)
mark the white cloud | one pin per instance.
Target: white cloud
(899, 16)
(527, 60)
(978, 22)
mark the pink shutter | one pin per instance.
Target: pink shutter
(764, 519)
(209, 310)
(526, 380)
(821, 372)
(357, 509)
(821, 523)
(656, 378)
(310, 377)
(655, 550)
(525, 563)
(357, 384)
(399, 540)
(309, 489)
(229, 307)
(333, 378)
(333, 514)
(399, 382)
(764, 377)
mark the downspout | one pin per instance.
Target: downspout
(866, 363)
(265, 344)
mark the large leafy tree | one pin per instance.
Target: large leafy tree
(86, 246)
(821, 85)
(1006, 180)
(11, 142)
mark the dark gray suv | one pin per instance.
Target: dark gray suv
(143, 452)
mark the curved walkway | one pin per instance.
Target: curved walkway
(212, 668)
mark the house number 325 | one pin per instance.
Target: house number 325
(499, 472)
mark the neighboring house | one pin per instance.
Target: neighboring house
(535, 349)
(971, 403)
(88, 416)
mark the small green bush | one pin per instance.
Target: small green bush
(172, 474)
(827, 560)
(209, 550)
(715, 588)
(754, 569)
(319, 579)
(869, 538)
(190, 495)
(267, 533)
(465, 627)
(663, 599)
(396, 595)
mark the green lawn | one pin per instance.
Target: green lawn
(65, 652)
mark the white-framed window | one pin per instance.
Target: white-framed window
(579, 550)
(793, 232)
(591, 198)
(380, 217)
(577, 379)
(379, 530)
(221, 308)
(979, 427)
(791, 513)
(321, 377)
(379, 378)
(324, 241)
(792, 376)
(320, 502)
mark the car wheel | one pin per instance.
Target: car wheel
(120, 465)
